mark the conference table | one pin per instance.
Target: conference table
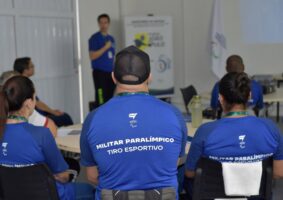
(68, 138)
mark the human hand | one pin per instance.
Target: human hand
(108, 45)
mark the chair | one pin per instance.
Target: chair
(209, 184)
(188, 94)
(31, 182)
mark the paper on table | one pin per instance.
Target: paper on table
(62, 132)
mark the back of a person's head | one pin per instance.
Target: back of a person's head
(235, 88)
(21, 64)
(13, 94)
(132, 66)
(7, 75)
(235, 63)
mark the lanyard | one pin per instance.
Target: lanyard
(236, 113)
(18, 118)
(131, 93)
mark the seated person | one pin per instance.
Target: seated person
(134, 140)
(235, 63)
(220, 139)
(25, 67)
(35, 118)
(28, 144)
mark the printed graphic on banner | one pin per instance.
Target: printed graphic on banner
(154, 36)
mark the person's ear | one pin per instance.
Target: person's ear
(29, 104)
(221, 99)
(113, 78)
(149, 80)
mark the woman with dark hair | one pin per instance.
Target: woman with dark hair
(24, 144)
(237, 136)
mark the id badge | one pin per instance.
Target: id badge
(110, 54)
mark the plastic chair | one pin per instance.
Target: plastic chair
(32, 183)
(209, 184)
(188, 94)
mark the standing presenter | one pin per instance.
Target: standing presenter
(101, 53)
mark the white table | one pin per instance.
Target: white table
(71, 143)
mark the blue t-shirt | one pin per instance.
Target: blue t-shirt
(245, 139)
(106, 61)
(24, 144)
(256, 100)
(135, 141)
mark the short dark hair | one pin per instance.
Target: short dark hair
(235, 88)
(235, 63)
(104, 15)
(21, 64)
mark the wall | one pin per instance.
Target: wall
(191, 52)
(191, 39)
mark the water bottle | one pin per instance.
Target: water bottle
(196, 111)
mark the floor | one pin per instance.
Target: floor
(277, 188)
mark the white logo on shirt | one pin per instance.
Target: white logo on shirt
(4, 150)
(133, 121)
(242, 142)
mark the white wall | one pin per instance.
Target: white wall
(191, 38)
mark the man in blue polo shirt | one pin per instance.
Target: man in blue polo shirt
(234, 63)
(133, 142)
(101, 53)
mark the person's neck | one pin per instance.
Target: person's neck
(104, 33)
(20, 114)
(239, 110)
(131, 88)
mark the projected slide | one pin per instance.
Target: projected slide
(262, 21)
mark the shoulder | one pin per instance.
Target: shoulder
(38, 133)
(255, 84)
(216, 87)
(95, 36)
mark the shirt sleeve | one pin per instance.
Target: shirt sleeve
(93, 44)
(197, 147)
(260, 103)
(214, 97)
(184, 131)
(278, 155)
(53, 156)
(87, 158)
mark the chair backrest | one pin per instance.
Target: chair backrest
(209, 184)
(188, 94)
(32, 182)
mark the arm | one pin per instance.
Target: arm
(94, 54)
(62, 177)
(42, 106)
(92, 174)
(278, 169)
(52, 127)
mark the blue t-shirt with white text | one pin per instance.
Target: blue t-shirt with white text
(24, 144)
(135, 141)
(245, 139)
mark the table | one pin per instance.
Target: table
(71, 143)
(278, 78)
(275, 97)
